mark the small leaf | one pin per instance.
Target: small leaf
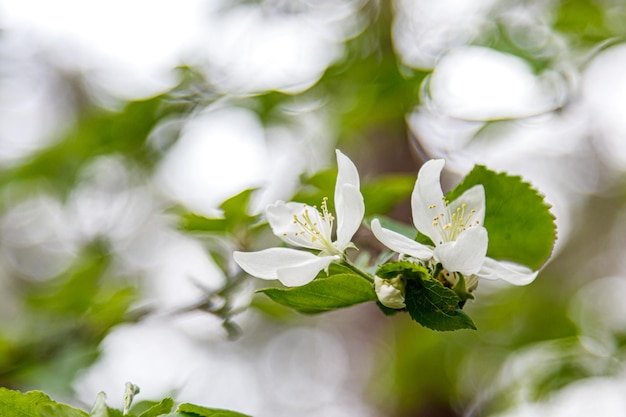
(520, 225)
(434, 306)
(409, 270)
(234, 216)
(165, 406)
(207, 412)
(236, 207)
(325, 293)
(196, 223)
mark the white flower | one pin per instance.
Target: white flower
(304, 226)
(456, 229)
(390, 292)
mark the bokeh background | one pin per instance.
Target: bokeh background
(120, 119)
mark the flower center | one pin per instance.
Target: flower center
(317, 225)
(451, 223)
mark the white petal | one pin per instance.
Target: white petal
(349, 204)
(513, 273)
(400, 243)
(281, 219)
(349, 215)
(291, 265)
(427, 198)
(474, 199)
(346, 171)
(466, 254)
(294, 276)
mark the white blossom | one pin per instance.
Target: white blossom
(306, 227)
(456, 230)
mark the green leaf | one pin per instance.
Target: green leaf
(520, 225)
(33, 403)
(434, 306)
(409, 270)
(165, 406)
(207, 412)
(60, 410)
(197, 223)
(17, 404)
(234, 216)
(325, 293)
(586, 20)
(236, 207)
(77, 290)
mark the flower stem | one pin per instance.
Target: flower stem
(345, 262)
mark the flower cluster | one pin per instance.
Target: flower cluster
(456, 230)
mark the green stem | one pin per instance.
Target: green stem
(345, 262)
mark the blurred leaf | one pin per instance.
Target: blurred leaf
(234, 216)
(198, 411)
(369, 87)
(385, 192)
(325, 293)
(520, 225)
(271, 309)
(583, 19)
(197, 223)
(380, 194)
(75, 291)
(110, 306)
(60, 410)
(17, 404)
(65, 320)
(98, 132)
(236, 208)
(165, 406)
(143, 406)
(314, 188)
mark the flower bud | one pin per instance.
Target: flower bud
(390, 292)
